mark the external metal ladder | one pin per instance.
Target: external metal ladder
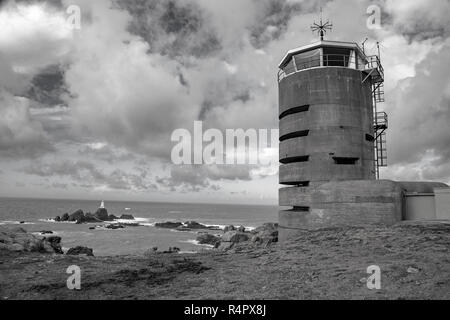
(375, 72)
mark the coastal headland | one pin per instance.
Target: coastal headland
(331, 263)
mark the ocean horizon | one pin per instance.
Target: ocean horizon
(36, 215)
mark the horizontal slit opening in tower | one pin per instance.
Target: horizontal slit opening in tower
(293, 135)
(296, 183)
(294, 110)
(345, 160)
(300, 209)
(294, 159)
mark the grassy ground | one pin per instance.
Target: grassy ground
(323, 264)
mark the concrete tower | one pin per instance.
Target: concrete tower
(328, 139)
(326, 115)
(332, 143)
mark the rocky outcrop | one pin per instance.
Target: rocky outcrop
(80, 250)
(224, 246)
(266, 234)
(235, 237)
(114, 226)
(77, 215)
(229, 228)
(19, 240)
(102, 214)
(80, 217)
(194, 225)
(168, 225)
(187, 226)
(238, 237)
(233, 228)
(230, 238)
(206, 238)
(55, 243)
(88, 218)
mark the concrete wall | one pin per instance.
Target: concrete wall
(420, 186)
(442, 200)
(339, 117)
(419, 206)
(337, 203)
(419, 199)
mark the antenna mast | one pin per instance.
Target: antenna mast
(321, 28)
(363, 43)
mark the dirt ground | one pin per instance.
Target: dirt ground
(323, 264)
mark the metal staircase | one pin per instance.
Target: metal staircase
(375, 73)
(380, 126)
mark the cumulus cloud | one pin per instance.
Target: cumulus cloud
(196, 177)
(89, 175)
(420, 19)
(33, 35)
(419, 119)
(20, 135)
(124, 94)
(104, 152)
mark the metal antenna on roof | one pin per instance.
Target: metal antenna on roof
(363, 43)
(321, 28)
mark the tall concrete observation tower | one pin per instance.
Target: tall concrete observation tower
(332, 144)
(326, 114)
(332, 139)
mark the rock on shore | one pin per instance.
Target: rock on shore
(80, 250)
(264, 235)
(19, 240)
(168, 225)
(206, 238)
(186, 226)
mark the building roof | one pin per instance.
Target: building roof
(319, 44)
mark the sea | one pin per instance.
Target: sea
(36, 215)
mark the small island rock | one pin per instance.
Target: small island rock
(80, 250)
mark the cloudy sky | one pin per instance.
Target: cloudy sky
(88, 113)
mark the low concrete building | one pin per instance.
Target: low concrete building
(442, 203)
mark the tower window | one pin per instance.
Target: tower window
(345, 160)
(294, 159)
(296, 183)
(300, 209)
(293, 135)
(337, 57)
(294, 110)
